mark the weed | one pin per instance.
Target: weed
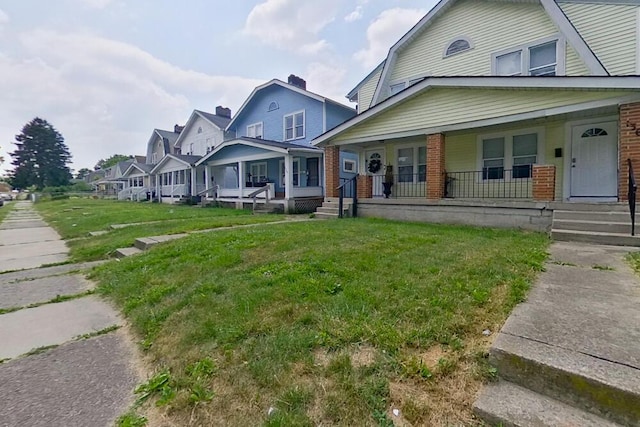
(98, 333)
(160, 386)
(602, 267)
(40, 350)
(131, 419)
(565, 264)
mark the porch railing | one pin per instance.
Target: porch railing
(256, 193)
(490, 183)
(404, 185)
(633, 188)
(348, 189)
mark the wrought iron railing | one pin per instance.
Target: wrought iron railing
(348, 189)
(403, 185)
(633, 188)
(490, 183)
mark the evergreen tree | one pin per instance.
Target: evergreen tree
(82, 173)
(41, 157)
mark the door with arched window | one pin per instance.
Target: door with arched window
(594, 160)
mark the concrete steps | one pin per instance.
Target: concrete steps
(126, 252)
(604, 224)
(502, 404)
(330, 209)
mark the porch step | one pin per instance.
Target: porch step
(507, 404)
(613, 239)
(590, 207)
(593, 384)
(325, 215)
(126, 252)
(612, 216)
(267, 208)
(597, 226)
(144, 243)
(332, 210)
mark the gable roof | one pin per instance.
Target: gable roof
(552, 9)
(277, 146)
(496, 82)
(182, 158)
(217, 121)
(293, 88)
(142, 167)
(353, 92)
(168, 139)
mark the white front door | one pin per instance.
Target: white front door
(594, 160)
(374, 164)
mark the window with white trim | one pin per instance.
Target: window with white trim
(457, 46)
(412, 164)
(154, 158)
(545, 58)
(517, 152)
(255, 130)
(295, 173)
(348, 166)
(294, 126)
(258, 172)
(400, 86)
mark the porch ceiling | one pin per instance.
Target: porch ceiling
(453, 109)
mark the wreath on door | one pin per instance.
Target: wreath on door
(374, 165)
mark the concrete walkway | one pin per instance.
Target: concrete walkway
(70, 380)
(570, 355)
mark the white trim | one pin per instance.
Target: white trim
(258, 165)
(324, 117)
(281, 170)
(134, 165)
(415, 146)
(638, 42)
(585, 83)
(356, 90)
(293, 117)
(525, 56)
(508, 146)
(351, 162)
(261, 124)
(165, 159)
(252, 158)
(452, 41)
(568, 142)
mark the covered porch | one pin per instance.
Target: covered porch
(247, 171)
(177, 178)
(138, 183)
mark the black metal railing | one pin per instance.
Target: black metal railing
(490, 183)
(633, 188)
(404, 185)
(348, 189)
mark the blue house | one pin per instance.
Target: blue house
(270, 151)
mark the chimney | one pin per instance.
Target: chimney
(297, 81)
(223, 111)
(178, 129)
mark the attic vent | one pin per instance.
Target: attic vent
(200, 129)
(457, 46)
(273, 106)
(589, 133)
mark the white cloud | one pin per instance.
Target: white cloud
(292, 25)
(104, 96)
(4, 18)
(327, 78)
(384, 31)
(355, 15)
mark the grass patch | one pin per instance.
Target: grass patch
(324, 323)
(131, 419)
(98, 333)
(74, 218)
(40, 350)
(5, 209)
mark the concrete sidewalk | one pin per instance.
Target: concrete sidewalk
(71, 381)
(570, 355)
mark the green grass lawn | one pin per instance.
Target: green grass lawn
(75, 218)
(4, 210)
(328, 322)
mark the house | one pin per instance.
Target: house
(269, 155)
(176, 175)
(498, 113)
(139, 183)
(112, 184)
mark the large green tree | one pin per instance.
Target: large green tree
(41, 158)
(82, 173)
(111, 161)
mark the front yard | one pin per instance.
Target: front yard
(324, 322)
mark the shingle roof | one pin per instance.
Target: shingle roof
(219, 121)
(186, 158)
(276, 144)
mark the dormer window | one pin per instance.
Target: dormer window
(459, 45)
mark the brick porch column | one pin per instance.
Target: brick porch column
(544, 183)
(332, 170)
(435, 166)
(365, 186)
(629, 146)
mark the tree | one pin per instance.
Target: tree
(41, 157)
(82, 173)
(111, 161)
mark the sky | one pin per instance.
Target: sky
(105, 73)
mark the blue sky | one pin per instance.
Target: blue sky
(106, 72)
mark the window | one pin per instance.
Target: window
(517, 151)
(400, 86)
(190, 149)
(255, 130)
(348, 166)
(294, 126)
(273, 106)
(412, 164)
(544, 58)
(593, 132)
(258, 172)
(457, 46)
(296, 173)
(200, 129)
(154, 158)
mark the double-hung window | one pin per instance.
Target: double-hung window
(517, 151)
(295, 173)
(412, 164)
(294, 126)
(255, 131)
(400, 86)
(258, 172)
(543, 58)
